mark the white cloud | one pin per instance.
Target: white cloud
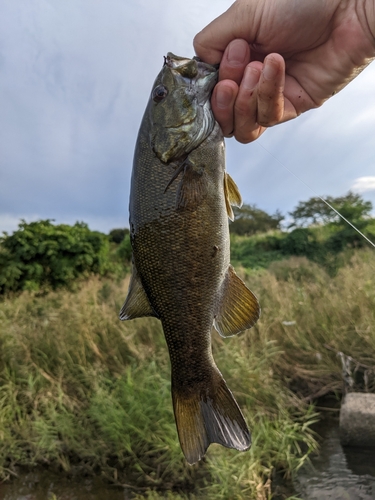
(364, 184)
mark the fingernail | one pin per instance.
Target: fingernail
(251, 78)
(237, 52)
(269, 70)
(223, 97)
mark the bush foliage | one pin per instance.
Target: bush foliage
(43, 255)
(117, 235)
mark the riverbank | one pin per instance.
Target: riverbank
(81, 391)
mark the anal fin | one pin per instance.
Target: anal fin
(136, 303)
(238, 309)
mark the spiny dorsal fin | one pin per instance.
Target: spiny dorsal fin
(136, 303)
(239, 308)
(232, 195)
(208, 414)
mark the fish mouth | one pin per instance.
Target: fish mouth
(186, 65)
(201, 75)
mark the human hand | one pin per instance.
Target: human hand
(280, 58)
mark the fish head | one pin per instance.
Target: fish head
(179, 108)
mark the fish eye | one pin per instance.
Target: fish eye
(159, 93)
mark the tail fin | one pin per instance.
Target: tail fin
(209, 416)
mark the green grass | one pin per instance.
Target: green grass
(80, 391)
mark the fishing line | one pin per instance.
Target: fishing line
(316, 194)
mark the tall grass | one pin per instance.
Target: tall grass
(308, 311)
(80, 391)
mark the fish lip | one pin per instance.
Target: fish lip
(174, 62)
(178, 64)
(202, 76)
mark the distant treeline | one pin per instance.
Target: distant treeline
(315, 231)
(41, 255)
(250, 220)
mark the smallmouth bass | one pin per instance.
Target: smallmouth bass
(180, 201)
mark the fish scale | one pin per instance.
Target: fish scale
(179, 206)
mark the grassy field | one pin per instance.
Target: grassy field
(84, 393)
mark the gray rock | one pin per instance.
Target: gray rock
(357, 420)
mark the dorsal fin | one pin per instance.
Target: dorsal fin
(239, 308)
(232, 195)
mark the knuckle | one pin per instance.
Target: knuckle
(268, 121)
(245, 137)
(244, 107)
(270, 111)
(227, 129)
(241, 109)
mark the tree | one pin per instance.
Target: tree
(249, 220)
(314, 211)
(117, 235)
(124, 250)
(44, 255)
(354, 208)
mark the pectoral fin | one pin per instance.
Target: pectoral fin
(239, 308)
(232, 195)
(136, 304)
(192, 188)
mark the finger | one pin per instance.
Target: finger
(297, 99)
(211, 42)
(222, 102)
(246, 127)
(234, 61)
(271, 91)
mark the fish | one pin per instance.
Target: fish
(180, 200)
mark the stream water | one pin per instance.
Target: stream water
(335, 474)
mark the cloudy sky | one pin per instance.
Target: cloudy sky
(75, 76)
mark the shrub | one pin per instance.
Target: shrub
(124, 251)
(43, 255)
(117, 235)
